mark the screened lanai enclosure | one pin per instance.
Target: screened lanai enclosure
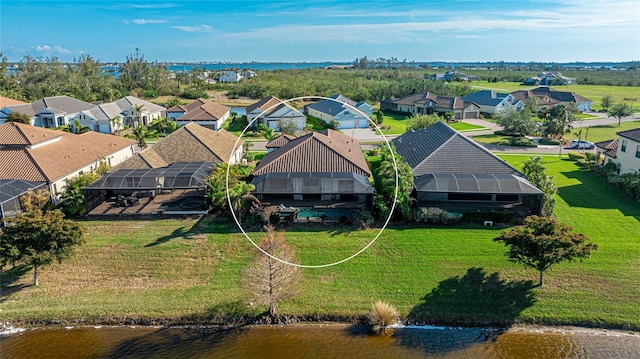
(474, 192)
(10, 192)
(313, 186)
(179, 188)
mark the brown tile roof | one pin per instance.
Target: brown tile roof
(633, 134)
(54, 160)
(5, 101)
(326, 151)
(279, 141)
(201, 110)
(270, 103)
(610, 147)
(190, 143)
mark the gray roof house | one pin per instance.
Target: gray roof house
(452, 171)
(99, 118)
(346, 112)
(48, 112)
(427, 103)
(492, 102)
(271, 111)
(318, 166)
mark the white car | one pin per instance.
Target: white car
(582, 144)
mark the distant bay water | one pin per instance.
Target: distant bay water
(255, 66)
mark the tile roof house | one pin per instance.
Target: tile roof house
(278, 142)
(427, 103)
(48, 112)
(623, 151)
(271, 111)
(190, 143)
(452, 170)
(492, 102)
(5, 101)
(99, 118)
(42, 155)
(547, 97)
(203, 112)
(346, 112)
(326, 166)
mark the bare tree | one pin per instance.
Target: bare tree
(270, 280)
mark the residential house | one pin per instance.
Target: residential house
(490, 101)
(623, 151)
(203, 112)
(453, 75)
(454, 173)
(271, 111)
(51, 157)
(427, 103)
(48, 112)
(180, 163)
(318, 166)
(229, 76)
(278, 142)
(113, 116)
(547, 97)
(343, 110)
(5, 101)
(549, 78)
(247, 74)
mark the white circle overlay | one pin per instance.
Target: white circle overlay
(395, 197)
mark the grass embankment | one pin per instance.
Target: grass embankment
(190, 269)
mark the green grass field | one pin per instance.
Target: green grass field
(396, 124)
(187, 270)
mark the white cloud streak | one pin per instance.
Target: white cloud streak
(196, 28)
(46, 49)
(148, 21)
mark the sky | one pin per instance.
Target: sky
(328, 30)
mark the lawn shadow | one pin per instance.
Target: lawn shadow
(594, 192)
(482, 302)
(8, 279)
(202, 227)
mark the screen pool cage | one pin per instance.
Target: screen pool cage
(10, 192)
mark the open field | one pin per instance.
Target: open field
(188, 270)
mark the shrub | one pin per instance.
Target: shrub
(194, 94)
(574, 156)
(382, 315)
(503, 133)
(522, 142)
(549, 141)
(363, 218)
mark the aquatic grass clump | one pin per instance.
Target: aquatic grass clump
(382, 315)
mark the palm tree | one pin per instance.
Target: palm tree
(116, 125)
(137, 111)
(139, 133)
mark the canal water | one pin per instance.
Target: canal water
(317, 341)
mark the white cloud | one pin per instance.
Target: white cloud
(197, 28)
(148, 21)
(52, 50)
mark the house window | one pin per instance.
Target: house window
(638, 151)
(623, 148)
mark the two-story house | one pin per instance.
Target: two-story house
(623, 151)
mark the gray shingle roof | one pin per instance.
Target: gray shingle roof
(440, 149)
(633, 134)
(333, 108)
(486, 97)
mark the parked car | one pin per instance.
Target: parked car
(582, 144)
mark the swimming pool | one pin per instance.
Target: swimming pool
(330, 213)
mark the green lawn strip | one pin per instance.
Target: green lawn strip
(463, 126)
(493, 139)
(191, 268)
(603, 132)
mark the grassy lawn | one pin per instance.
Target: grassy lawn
(190, 269)
(492, 139)
(396, 124)
(603, 133)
